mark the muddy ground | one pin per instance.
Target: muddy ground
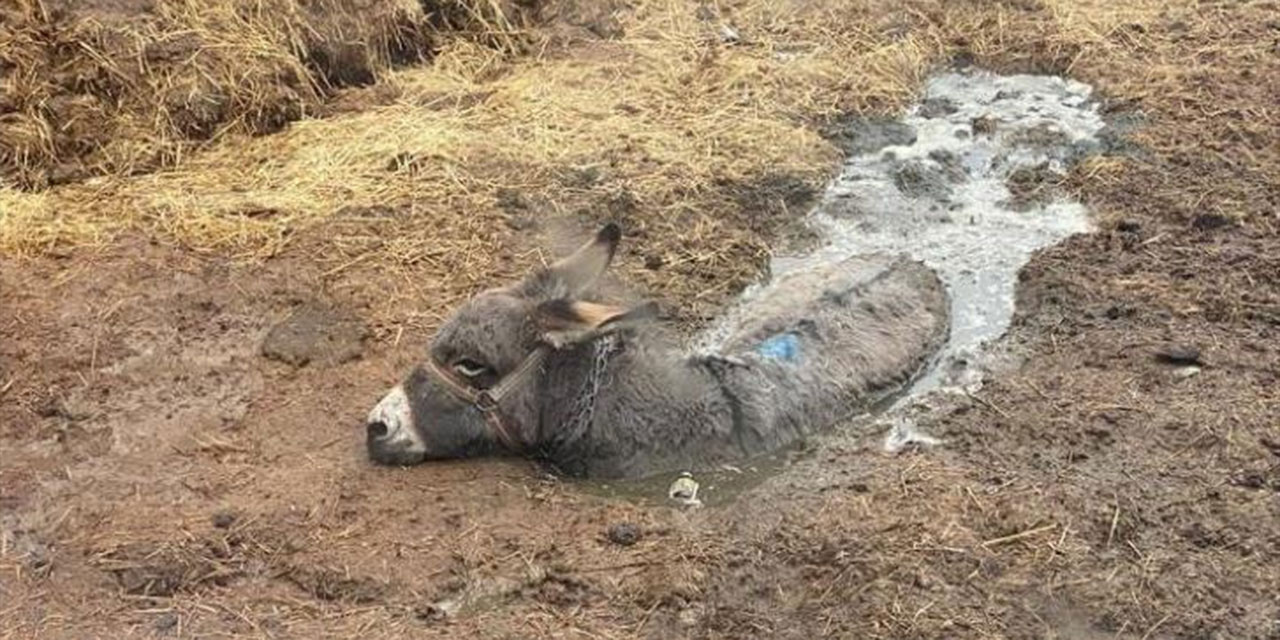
(161, 477)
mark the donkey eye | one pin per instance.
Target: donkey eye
(469, 368)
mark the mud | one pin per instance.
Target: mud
(316, 333)
(861, 136)
(970, 206)
(1092, 490)
(1093, 474)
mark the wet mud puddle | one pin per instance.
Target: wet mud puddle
(966, 182)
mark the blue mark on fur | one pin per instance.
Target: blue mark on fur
(783, 346)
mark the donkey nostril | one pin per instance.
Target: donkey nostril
(377, 429)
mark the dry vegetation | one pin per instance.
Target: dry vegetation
(127, 87)
(705, 146)
(1090, 495)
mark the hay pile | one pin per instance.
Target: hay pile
(117, 88)
(702, 145)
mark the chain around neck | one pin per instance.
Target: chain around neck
(582, 411)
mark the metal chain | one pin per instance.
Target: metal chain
(584, 406)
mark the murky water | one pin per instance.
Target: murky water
(715, 486)
(964, 183)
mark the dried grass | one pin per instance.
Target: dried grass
(670, 128)
(90, 91)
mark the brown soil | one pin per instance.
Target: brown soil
(160, 477)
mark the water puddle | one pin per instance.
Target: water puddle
(966, 182)
(714, 486)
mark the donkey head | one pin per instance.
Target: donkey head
(477, 391)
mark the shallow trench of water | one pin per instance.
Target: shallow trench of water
(965, 182)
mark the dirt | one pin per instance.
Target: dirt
(1034, 186)
(316, 332)
(1095, 491)
(623, 533)
(916, 179)
(161, 477)
(863, 135)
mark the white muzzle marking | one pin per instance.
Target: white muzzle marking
(393, 411)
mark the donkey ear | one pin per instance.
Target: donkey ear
(572, 275)
(565, 322)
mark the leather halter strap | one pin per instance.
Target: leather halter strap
(488, 401)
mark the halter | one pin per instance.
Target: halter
(487, 401)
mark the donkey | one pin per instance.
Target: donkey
(539, 368)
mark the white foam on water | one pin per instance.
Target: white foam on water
(943, 199)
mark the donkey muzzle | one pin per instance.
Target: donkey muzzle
(391, 438)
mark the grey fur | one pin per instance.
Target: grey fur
(864, 327)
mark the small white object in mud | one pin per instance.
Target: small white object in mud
(685, 490)
(1187, 371)
(904, 433)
